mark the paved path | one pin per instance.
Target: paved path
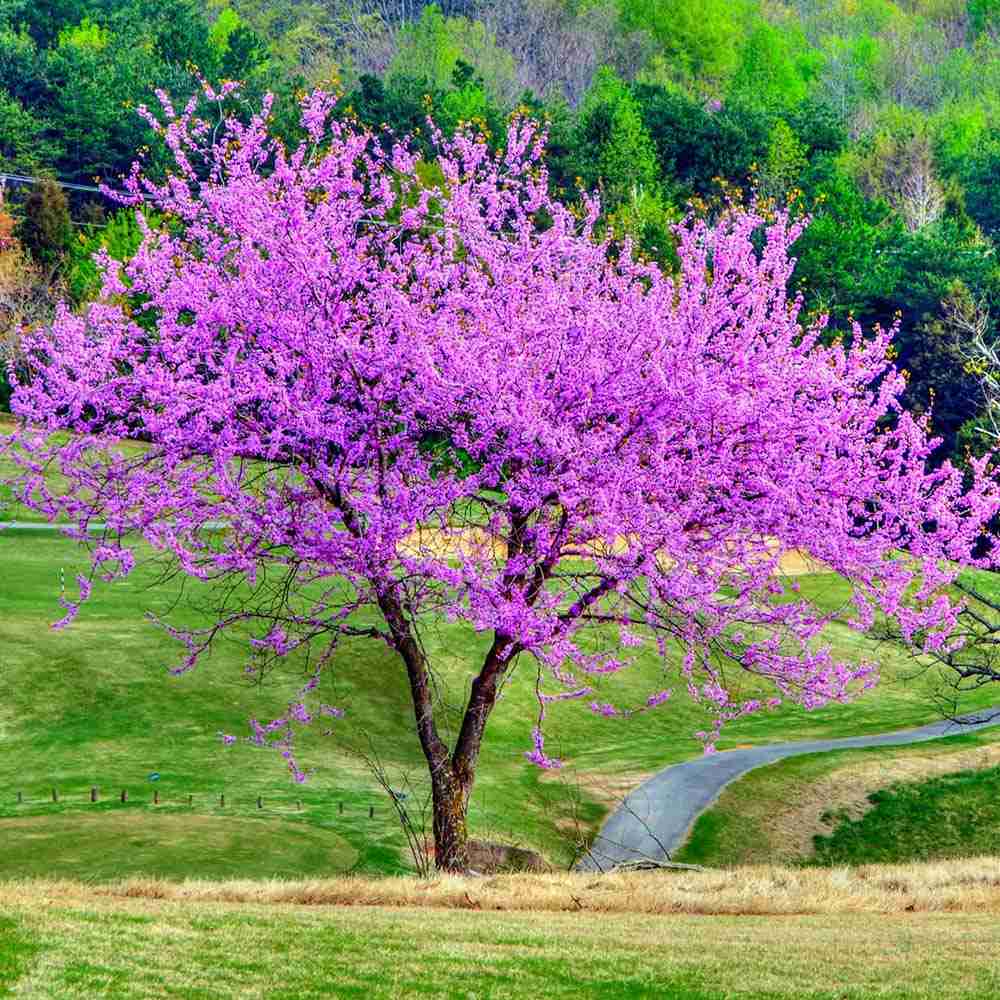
(40, 526)
(654, 820)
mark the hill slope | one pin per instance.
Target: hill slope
(93, 706)
(904, 803)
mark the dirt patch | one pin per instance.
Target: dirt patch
(607, 789)
(798, 562)
(433, 543)
(488, 857)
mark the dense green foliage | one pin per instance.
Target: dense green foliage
(877, 117)
(74, 70)
(47, 226)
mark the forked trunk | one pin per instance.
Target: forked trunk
(452, 777)
(452, 774)
(450, 797)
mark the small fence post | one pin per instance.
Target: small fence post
(190, 801)
(124, 795)
(156, 797)
(222, 801)
(55, 795)
(93, 795)
(298, 805)
(340, 808)
(260, 802)
(19, 799)
(371, 812)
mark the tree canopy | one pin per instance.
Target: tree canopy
(878, 118)
(371, 394)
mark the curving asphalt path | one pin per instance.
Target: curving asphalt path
(654, 820)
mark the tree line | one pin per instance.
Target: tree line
(878, 119)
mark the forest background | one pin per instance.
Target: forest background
(879, 119)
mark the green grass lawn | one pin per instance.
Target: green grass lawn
(10, 509)
(62, 949)
(953, 815)
(949, 815)
(93, 706)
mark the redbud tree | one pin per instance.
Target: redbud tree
(339, 355)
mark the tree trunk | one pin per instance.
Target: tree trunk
(450, 795)
(452, 783)
(452, 774)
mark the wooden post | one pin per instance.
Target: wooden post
(222, 801)
(340, 808)
(371, 812)
(124, 795)
(260, 802)
(190, 801)
(19, 800)
(93, 795)
(55, 795)
(156, 797)
(298, 805)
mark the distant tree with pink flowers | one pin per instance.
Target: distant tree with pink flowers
(411, 394)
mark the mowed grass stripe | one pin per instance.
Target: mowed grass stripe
(17, 949)
(175, 845)
(944, 816)
(136, 948)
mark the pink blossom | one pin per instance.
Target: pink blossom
(323, 378)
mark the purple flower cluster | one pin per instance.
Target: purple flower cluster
(325, 351)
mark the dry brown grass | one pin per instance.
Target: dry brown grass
(434, 543)
(608, 789)
(846, 790)
(967, 886)
(135, 948)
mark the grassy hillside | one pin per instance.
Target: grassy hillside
(94, 706)
(934, 800)
(948, 816)
(883, 932)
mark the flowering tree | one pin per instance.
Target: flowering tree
(404, 399)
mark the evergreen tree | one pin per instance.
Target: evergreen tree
(47, 228)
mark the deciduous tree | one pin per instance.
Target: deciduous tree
(407, 402)
(27, 298)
